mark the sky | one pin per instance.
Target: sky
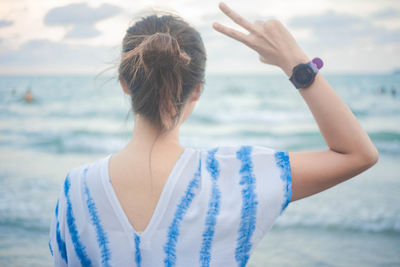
(84, 37)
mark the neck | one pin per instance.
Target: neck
(146, 135)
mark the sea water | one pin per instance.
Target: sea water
(74, 120)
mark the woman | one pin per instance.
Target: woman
(158, 203)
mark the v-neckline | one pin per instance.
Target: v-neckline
(162, 201)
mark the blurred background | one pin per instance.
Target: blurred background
(61, 107)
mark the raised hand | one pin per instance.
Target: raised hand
(270, 39)
(350, 149)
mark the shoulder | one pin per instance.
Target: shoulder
(75, 186)
(96, 165)
(237, 151)
(87, 171)
(260, 159)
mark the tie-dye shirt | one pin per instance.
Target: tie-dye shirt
(215, 207)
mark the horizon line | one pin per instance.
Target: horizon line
(270, 73)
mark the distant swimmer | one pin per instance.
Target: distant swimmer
(393, 91)
(28, 96)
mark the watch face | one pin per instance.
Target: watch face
(303, 74)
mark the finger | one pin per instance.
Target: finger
(237, 35)
(259, 22)
(237, 18)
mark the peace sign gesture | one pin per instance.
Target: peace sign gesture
(273, 42)
(350, 149)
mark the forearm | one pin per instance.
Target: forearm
(350, 149)
(338, 125)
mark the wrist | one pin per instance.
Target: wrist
(303, 74)
(291, 61)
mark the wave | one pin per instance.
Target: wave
(377, 225)
(63, 142)
(96, 140)
(27, 224)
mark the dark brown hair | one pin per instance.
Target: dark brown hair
(163, 60)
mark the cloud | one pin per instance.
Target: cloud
(81, 17)
(83, 31)
(341, 30)
(386, 13)
(58, 57)
(388, 37)
(5, 23)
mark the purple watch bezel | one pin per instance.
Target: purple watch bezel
(316, 64)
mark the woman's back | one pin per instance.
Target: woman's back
(216, 205)
(138, 187)
(207, 207)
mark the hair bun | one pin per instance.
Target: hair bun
(161, 50)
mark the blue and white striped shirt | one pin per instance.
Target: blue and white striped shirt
(215, 207)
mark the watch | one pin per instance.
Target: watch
(303, 75)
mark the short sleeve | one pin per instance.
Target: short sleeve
(273, 184)
(57, 245)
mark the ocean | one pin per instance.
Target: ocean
(74, 120)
